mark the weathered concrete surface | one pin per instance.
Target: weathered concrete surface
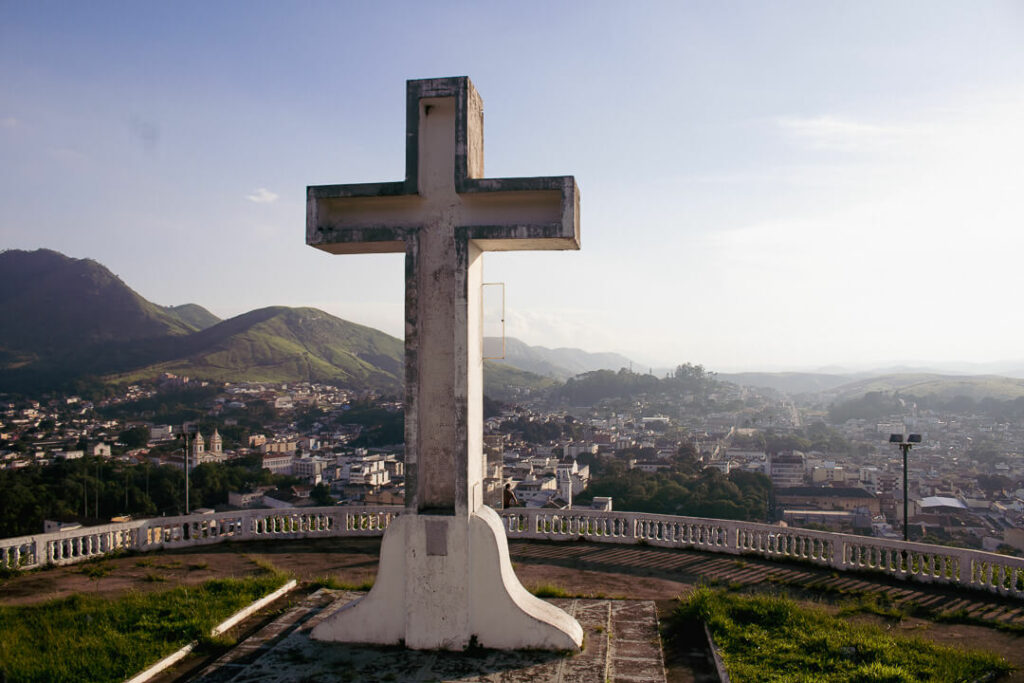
(445, 215)
(443, 584)
(621, 645)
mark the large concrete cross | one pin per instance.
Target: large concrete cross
(445, 576)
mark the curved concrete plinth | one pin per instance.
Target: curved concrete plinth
(447, 581)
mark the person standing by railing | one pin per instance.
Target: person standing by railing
(508, 497)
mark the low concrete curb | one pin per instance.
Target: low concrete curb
(723, 675)
(175, 657)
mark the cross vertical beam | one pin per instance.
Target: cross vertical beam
(444, 215)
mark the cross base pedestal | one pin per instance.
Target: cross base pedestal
(445, 582)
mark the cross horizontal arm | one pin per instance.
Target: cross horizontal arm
(361, 218)
(501, 214)
(517, 214)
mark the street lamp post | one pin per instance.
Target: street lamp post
(905, 444)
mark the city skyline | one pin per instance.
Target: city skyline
(778, 187)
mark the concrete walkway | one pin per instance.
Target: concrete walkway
(621, 644)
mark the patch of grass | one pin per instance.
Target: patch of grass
(765, 638)
(170, 564)
(265, 565)
(8, 572)
(196, 566)
(145, 562)
(872, 601)
(96, 570)
(549, 590)
(878, 604)
(334, 583)
(153, 577)
(89, 638)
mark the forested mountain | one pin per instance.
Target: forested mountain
(53, 304)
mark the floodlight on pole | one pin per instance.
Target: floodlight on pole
(905, 444)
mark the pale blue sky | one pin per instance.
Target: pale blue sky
(765, 185)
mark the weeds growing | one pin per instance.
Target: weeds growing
(766, 638)
(91, 638)
(334, 583)
(96, 570)
(549, 590)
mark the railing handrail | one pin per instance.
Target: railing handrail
(843, 552)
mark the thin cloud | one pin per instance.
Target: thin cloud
(9, 122)
(262, 196)
(830, 132)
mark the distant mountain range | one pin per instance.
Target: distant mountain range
(841, 387)
(560, 363)
(71, 318)
(66, 319)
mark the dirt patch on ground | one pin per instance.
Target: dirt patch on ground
(355, 558)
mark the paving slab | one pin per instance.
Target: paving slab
(621, 643)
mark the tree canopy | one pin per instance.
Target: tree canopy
(685, 489)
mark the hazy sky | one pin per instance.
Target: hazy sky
(764, 185)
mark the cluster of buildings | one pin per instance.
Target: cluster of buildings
(946, 503)
(858, 490)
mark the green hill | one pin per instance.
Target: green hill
(193, 315)
(280, 344)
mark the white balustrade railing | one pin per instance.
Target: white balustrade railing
(842, 552)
